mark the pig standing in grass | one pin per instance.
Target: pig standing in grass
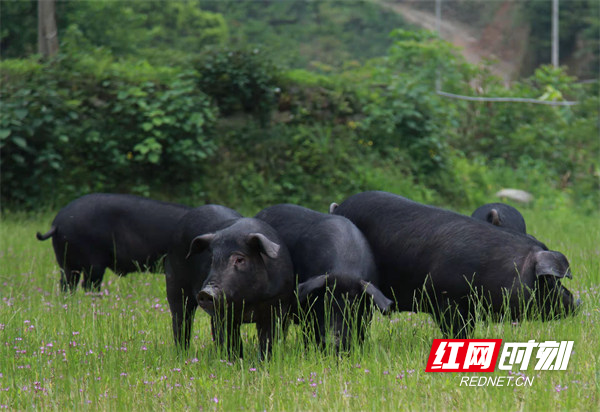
(329, 253)
(121, 232)
(449, 265)
(185, 274)
(250, 280)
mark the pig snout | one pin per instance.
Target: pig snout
(571, 304)
(206, 298)
(560, 302)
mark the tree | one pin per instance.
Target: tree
(47, 32)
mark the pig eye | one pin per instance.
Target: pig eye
(239, 260)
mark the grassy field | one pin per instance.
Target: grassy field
(114, 350)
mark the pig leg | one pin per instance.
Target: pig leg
(64, 283)
(182, 315)
(188, 320)
(265, 329)
(182, 324)
(177, 320)
(226, 333)
(271, 324)
(69, 279)
(213, 329)
(174, 296)
(92, 278)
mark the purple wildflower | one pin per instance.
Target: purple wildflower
(559, 388)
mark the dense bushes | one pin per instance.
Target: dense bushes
(308, 33)
(559, 143)
(239, 80)
(157, 30)
(66, 130)
(231, 127)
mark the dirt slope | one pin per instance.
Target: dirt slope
(499, 40)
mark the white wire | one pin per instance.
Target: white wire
(507, 99)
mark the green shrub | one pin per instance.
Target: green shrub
(65, 131)
(403, 116)
(309, 98)
(308, 165)
(561, 141)
(301, 33)
(159, 31)
(239, 80)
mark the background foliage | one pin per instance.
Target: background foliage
(303, 102)
(67, 128)
(579, 28)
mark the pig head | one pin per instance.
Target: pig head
(250, 281)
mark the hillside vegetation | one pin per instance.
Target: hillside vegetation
(302, 102)
(518, 33)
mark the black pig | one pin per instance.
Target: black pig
(329, 252)
(251, 280)
(501, 214)
(186, 275)
(445, 263)
(115, 231)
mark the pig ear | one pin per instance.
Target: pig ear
(200, 243)
(266, 246)
(312, 284)
(493, 217)
(379, 298)
(332, 207)
(551, 263)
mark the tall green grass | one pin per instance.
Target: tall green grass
(114, 351)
